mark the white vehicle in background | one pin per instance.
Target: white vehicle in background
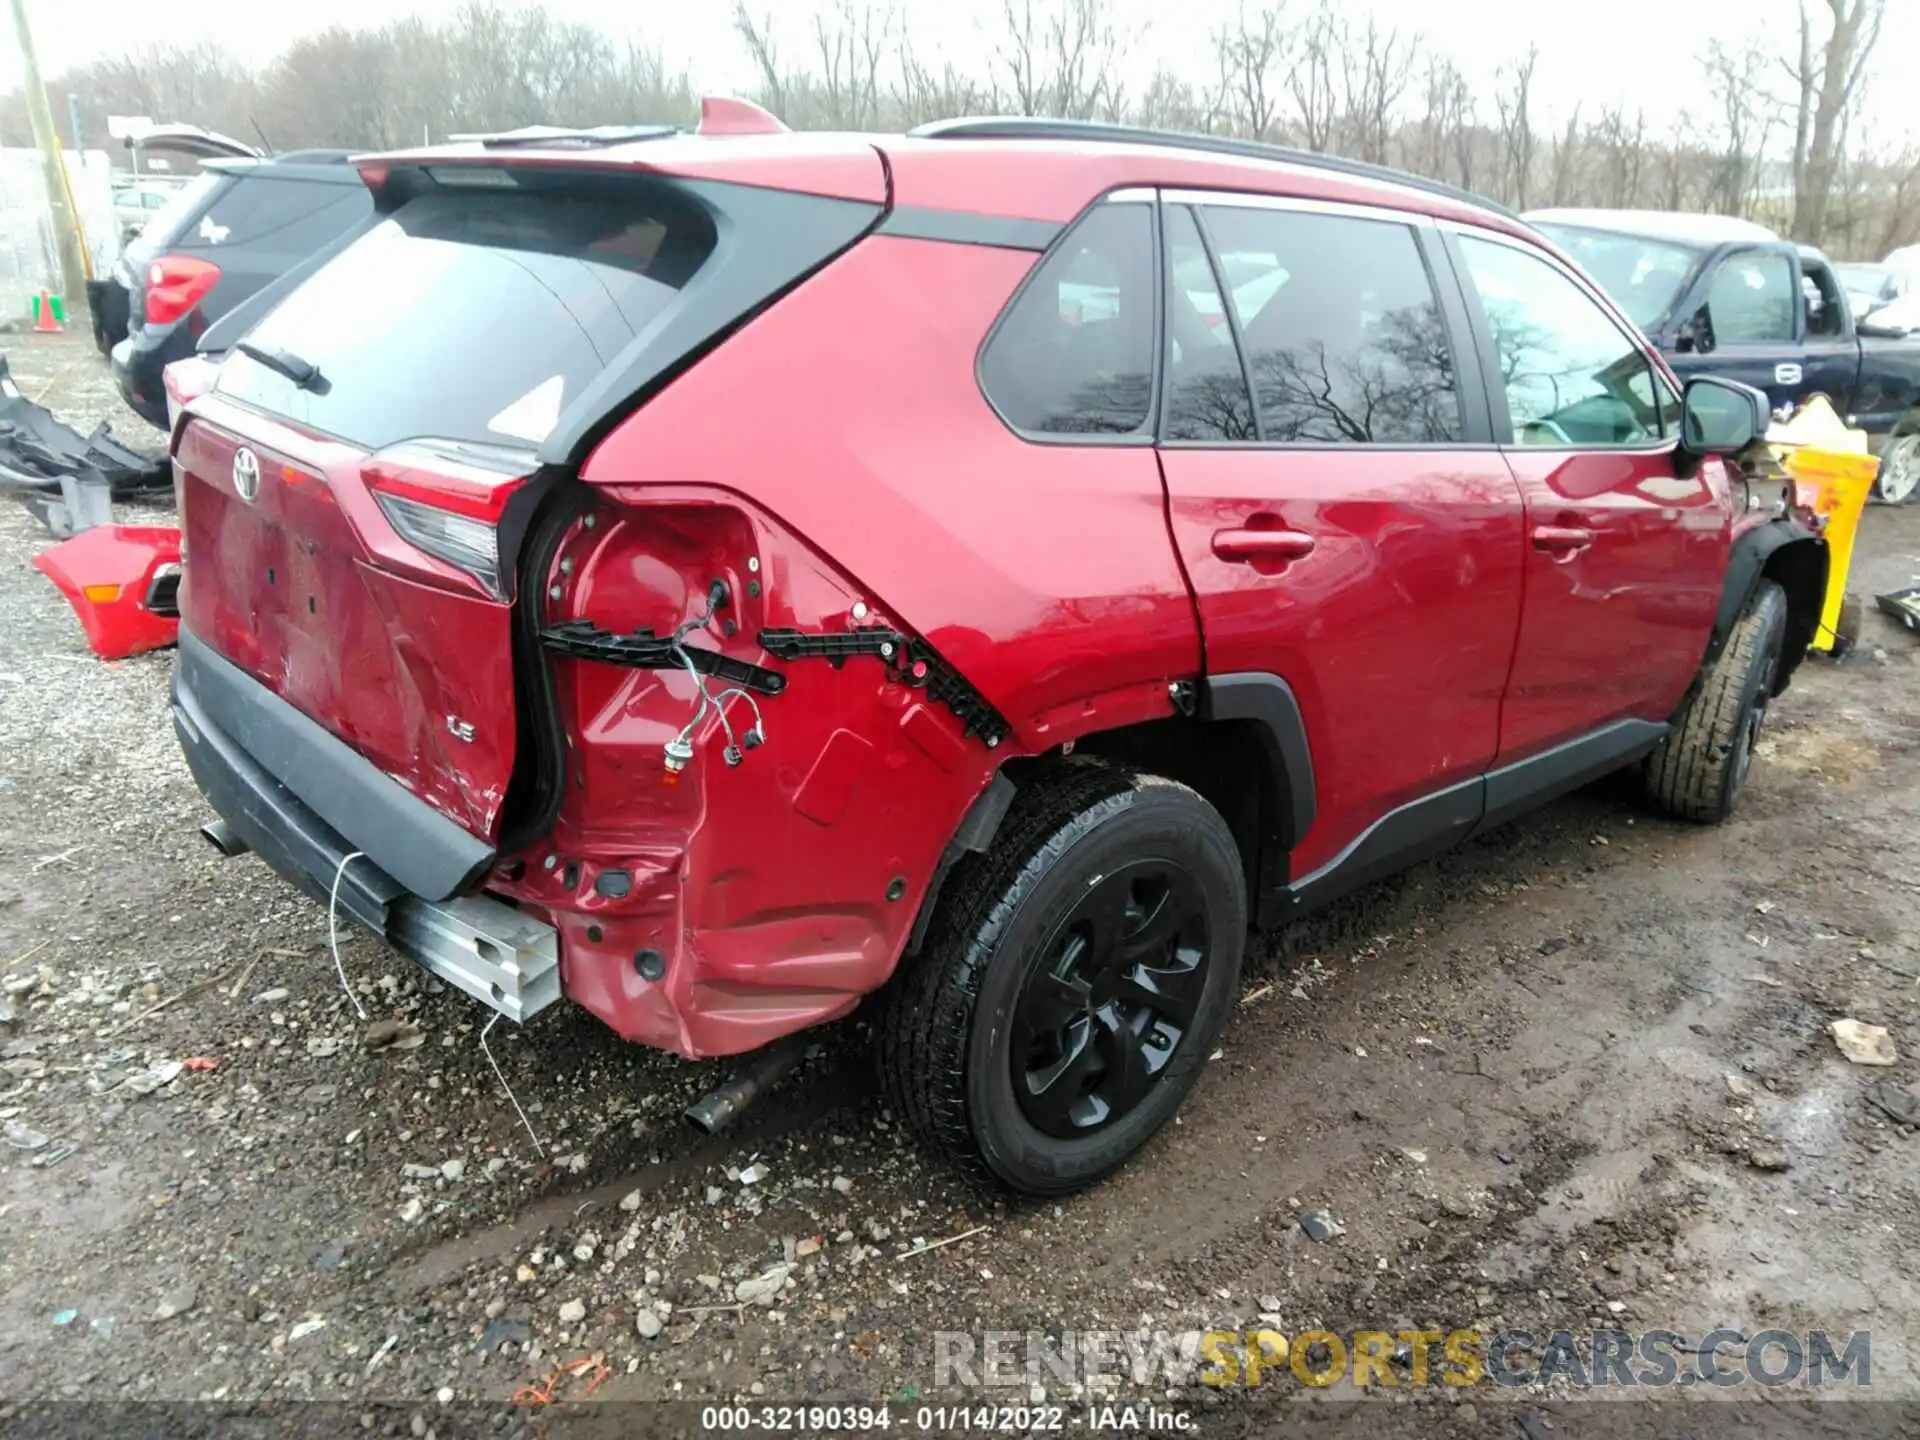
(1869, 286)
(137, 203)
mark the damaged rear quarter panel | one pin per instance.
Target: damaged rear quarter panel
(841, 437)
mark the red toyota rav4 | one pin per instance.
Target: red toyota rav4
(718, 577)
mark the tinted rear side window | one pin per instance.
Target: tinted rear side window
(259, 207)
(1342, 331)
(180, 208)
(475, 315)
(1074, 356)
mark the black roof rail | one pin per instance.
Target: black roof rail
(1025, 128)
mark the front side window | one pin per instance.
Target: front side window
(1074, 356)
(1572, 376)
(1343, 334)
(1753, 299)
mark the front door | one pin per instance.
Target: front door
(1624, 553)
(1754, 309)
(1354, 532)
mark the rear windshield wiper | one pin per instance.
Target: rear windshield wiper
(303, 373)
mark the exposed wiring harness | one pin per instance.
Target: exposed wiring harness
(679, 750)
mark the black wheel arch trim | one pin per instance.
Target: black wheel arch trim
(1768, 551)
(975, 833)
(1269, 702)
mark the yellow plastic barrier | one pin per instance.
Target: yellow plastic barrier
(1833, 483)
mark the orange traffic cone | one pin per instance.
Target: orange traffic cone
(46, 314)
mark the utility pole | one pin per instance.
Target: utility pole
(66, 229)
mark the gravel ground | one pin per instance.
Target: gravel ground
(1576, 1075)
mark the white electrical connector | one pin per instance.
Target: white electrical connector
(679, 750)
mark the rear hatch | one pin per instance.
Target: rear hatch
(346, 484)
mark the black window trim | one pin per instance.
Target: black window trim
(1212, 252)
(1145, 432)
(1477, 429)
(1450, 233)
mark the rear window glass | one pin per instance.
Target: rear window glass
(179, 208)
(474, 315)
(1074, 356)
(267, 206)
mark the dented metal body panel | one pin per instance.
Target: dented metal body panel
(781, 890)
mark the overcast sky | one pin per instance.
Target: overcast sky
(1591, 54)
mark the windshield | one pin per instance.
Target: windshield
(1641, 276)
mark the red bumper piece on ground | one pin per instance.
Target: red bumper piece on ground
(121, 581)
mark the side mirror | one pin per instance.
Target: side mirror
(1721, 417)
(1877, 329)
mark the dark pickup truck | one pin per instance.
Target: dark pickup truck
(1727, 297)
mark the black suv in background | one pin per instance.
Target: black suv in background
(238, 226)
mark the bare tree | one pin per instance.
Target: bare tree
(1828, 77)
(1564, 162)
(1513, 101)
(1248, 53)
(1298, 69)
(1747, 116)
(851, 43)
(1316, 106)
(1083, 51)
(1021, 58)
(1375, 67)
(1622, 146)
(1900, 219)
(757, 36)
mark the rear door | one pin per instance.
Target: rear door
(1624, 554)
(346, 478)
(1344, 517)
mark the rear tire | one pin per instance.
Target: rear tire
(1073, 983)
(1699, 769)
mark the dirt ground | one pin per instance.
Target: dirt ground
(1575, 1076)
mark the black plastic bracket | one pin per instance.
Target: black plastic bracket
(643, 650)
(912, 661)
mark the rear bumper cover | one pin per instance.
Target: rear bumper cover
(282, 779)
(304, 802)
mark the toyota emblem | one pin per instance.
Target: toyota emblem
(246, 474)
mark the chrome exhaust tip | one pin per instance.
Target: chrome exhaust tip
(720, 1107)
(224, 838)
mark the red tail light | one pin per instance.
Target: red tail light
(446, 498)
(175, 284)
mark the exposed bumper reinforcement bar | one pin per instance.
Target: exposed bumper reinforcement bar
(498, 955)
